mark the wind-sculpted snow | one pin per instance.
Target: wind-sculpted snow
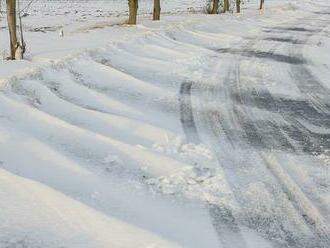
(186, 134)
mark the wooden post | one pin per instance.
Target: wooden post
(215, 7)
(225, 6)
(262, 2)
(156, 13)
(238, 6)
(133, 6)
(11, 19)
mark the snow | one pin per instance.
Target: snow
(93, 150)
(68, 222)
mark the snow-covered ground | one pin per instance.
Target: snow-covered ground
(195, 131)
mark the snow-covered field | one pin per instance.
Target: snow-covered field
(50, 15)
(196, 131)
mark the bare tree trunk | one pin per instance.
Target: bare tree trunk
(215, 7)
(133, 7)
(262, 3)
(11, 19)
(238, 6)
(225, 6)
(156, 14)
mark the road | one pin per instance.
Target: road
(266, 139)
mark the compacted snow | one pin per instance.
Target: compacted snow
(195, 131)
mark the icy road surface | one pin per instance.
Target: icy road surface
(197, 131)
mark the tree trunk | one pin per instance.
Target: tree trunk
(225, 6)
(215, 7)
(133, 6)
(156, 14)
(238, 6)
(262, 3)
(11, 19)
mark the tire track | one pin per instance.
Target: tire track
(223, 218)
